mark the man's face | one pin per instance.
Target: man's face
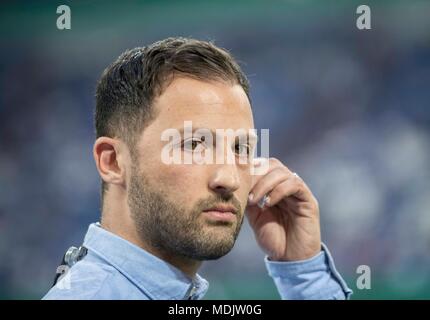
(178, 207)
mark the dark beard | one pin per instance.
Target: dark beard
(168, 227)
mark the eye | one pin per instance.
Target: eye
(242, 149)
(192, 144)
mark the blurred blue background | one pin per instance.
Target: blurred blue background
(347, 109)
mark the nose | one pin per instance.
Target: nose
(225, 180)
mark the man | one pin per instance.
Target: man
(161, 220)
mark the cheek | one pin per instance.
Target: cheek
(245, 187)
(246, 180)
(181, 182)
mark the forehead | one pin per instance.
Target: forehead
(215, 105)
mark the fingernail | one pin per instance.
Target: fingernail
(250, 197)
(257, 162)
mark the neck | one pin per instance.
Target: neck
(188, 266)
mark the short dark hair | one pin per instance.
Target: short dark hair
(127, 88)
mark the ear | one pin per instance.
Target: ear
(109, 160)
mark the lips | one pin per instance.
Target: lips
(225, 213)
(222, 209)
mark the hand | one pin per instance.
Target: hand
(287, 227)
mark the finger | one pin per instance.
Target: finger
(266, 184)
(262, 167)
(292, 187)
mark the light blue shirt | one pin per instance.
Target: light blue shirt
(117, 269)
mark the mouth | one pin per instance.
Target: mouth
(225, 213)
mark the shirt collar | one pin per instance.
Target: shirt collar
(155, 277)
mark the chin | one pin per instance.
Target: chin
(212, 248)
(219, 250)
(214, 255)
